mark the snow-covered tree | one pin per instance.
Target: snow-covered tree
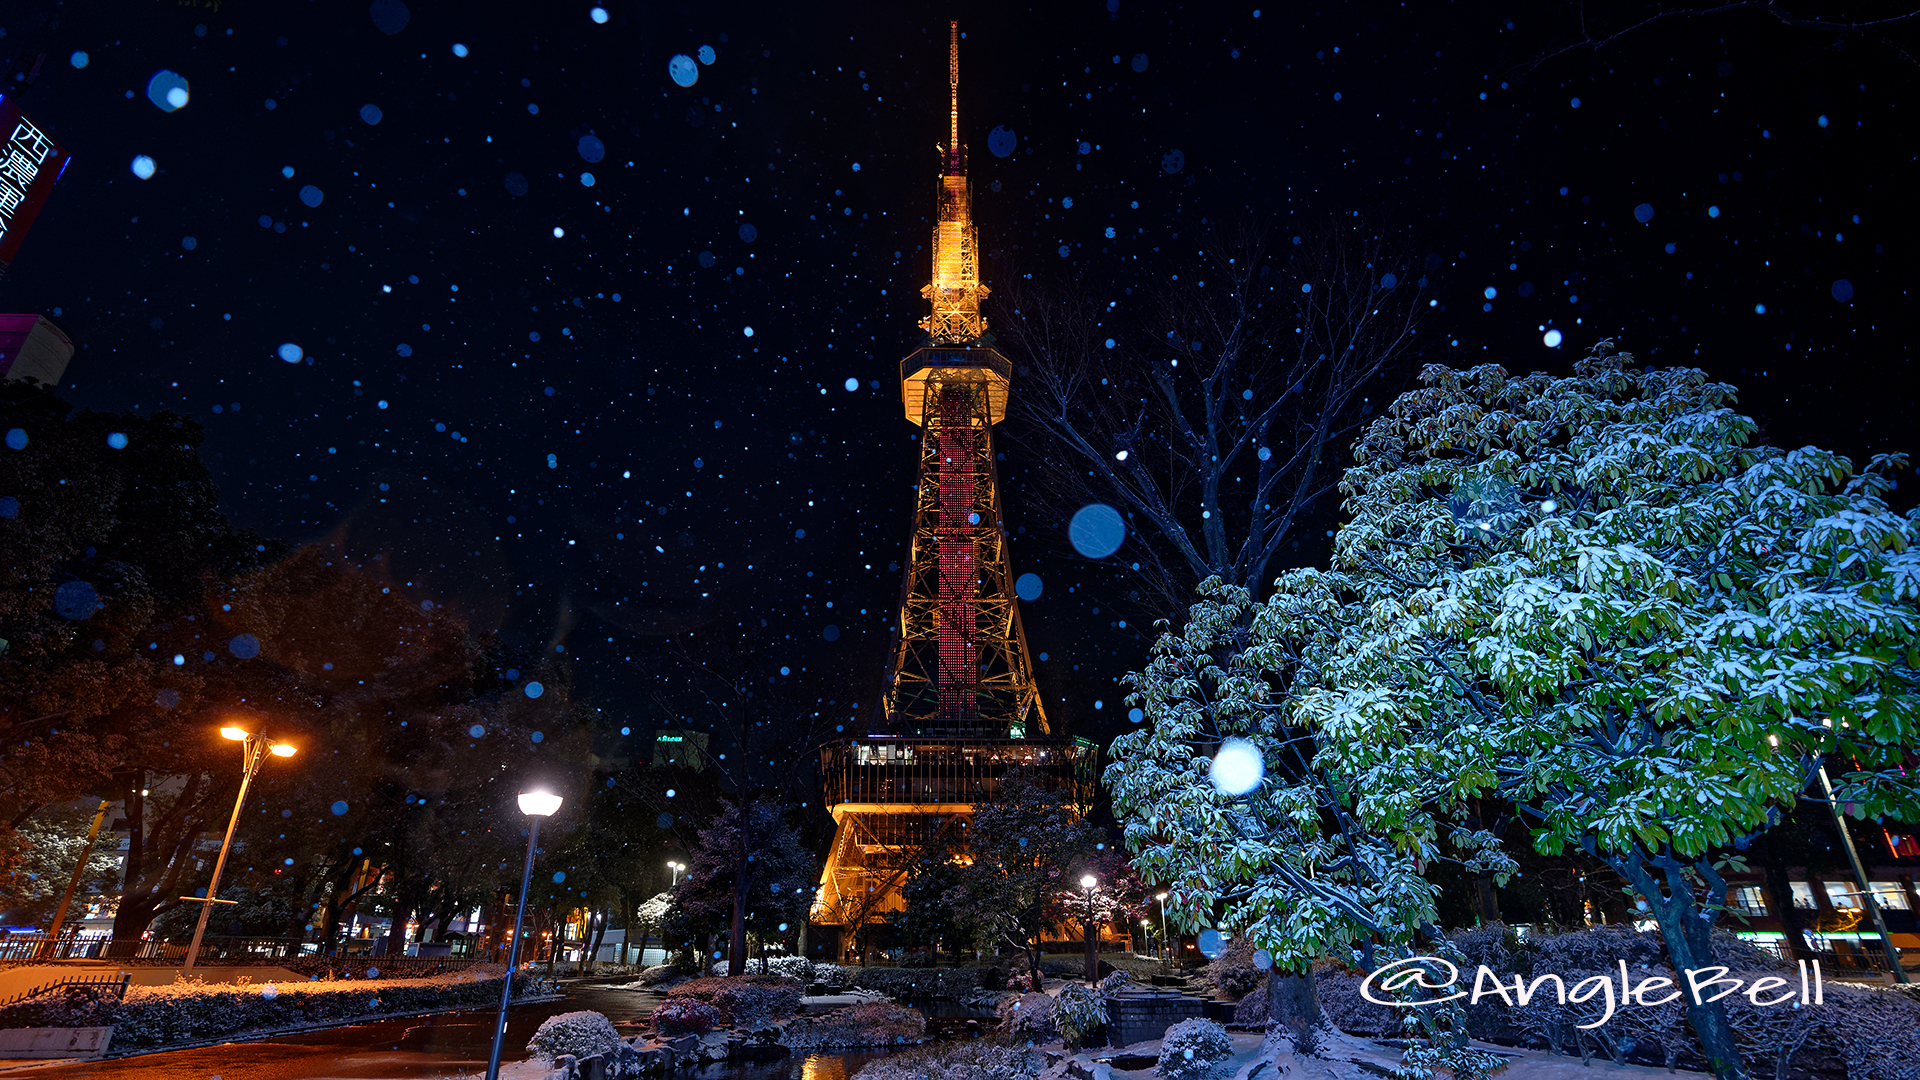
(1278, 853)
(1022, 846)
(1592, 598)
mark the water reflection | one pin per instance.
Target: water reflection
(823, 1067)
(840, 1066)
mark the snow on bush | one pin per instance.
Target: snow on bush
(685, 1016)
(1078, 1012)
(919, 982)
(1233, 970)
(976, 1059)
(748, 999)
(834, 976)
(790, 967)
(658, 974)
(1029, 1018)
(1115, 982)
(749, 1002)
(582, 1034)
(1191, 1048)
(873, 1024)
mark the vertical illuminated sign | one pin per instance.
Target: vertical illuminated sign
(30, 164)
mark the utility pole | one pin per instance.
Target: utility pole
(86, 852)
(1860, 877)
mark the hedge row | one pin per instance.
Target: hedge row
(188, 1012)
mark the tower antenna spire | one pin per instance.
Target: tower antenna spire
(955, 164)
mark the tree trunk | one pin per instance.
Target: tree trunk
(552, 919)
(1486, 900)
(1293, 1003)
(135, 912)
(396, 940)
(1689, 944)
(737, 937)
(599, 935)
(1780, 902)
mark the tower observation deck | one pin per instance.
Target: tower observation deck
(961, 707)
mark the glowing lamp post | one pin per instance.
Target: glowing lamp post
(536, 805)
(678, 868)
(1093, 959)
(254, 749)
(1162, 897)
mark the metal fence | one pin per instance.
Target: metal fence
(18, 949)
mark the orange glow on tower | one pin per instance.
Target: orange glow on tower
(961, 707)
(955, 290)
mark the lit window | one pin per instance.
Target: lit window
(1747, 900)
(1803, 896)
(1842, 896)
(1889, 895)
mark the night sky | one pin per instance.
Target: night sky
(538, 398)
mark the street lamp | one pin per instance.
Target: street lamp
(535, 804)
(1162, 897)
(677, 868)
(1093, 960)
(1146, 929)
(253, 750)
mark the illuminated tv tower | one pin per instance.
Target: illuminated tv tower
(960, 666)
(961, 707)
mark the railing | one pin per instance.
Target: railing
(39, 948)
(19, 949)
(924, 770)
(115, 984)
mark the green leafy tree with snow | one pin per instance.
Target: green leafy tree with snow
(1288, 863)
(1591, 597)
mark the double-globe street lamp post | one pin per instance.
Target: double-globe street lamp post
(254, 750)
(536, 805)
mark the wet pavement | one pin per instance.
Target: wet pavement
(424, 1047)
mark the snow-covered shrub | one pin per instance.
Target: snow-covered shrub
(873, 1024)
(582, 1034)
(1078, 1012)
(685, 1016)
(791, 967)
(975, 1059)
(1191, 1048)
(654, 976)
(834, 976)
(1115, 983)
(703, 988)
(918, 982)
(1029, 1018)
(752, 1000)
(1233, 970)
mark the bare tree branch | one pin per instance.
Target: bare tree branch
(1872, 28)
(1217, 418)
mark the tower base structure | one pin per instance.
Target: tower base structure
(897, 801)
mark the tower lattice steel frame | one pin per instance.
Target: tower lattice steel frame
(961, 707)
